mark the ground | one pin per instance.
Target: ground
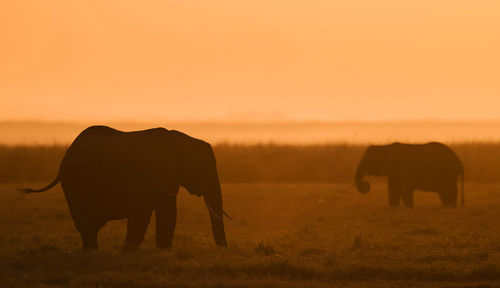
(281, 235)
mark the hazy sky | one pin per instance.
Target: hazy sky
(249, 60)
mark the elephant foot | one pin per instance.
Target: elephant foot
(164, 246)
(129, 249)
(90, 249)
(221, 243)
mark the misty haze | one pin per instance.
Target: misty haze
(48, 133)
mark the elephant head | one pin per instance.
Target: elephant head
(198, 174)
(375, 162)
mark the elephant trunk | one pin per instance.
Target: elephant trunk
(359, 181)
(213, 201)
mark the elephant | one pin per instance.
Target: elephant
(107, 174)
(429, 167)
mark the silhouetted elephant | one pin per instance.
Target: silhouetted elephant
(108, 174)
(429, 167)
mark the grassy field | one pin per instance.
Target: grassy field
(281, 235)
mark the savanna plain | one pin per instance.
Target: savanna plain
(298, 226)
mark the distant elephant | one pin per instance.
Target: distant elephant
(108, 174)
(429, 167)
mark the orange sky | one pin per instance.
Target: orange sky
(249, 60)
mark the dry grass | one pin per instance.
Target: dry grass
(258, 163)
(282, 235)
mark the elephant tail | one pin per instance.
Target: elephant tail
(29, 190)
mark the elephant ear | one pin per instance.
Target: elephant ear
(393, 158)
(191, 155)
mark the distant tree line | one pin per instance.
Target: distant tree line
(259, 162)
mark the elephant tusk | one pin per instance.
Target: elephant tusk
(210, 209)
(225, 214)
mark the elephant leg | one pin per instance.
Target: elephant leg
(89, 237)
(394, 192)
(88, 232)
(87, 226)
(166, 217)
(448, 196)
(137, 225)
(407, 196)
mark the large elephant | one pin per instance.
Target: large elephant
(428, 167)
(108, 174)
